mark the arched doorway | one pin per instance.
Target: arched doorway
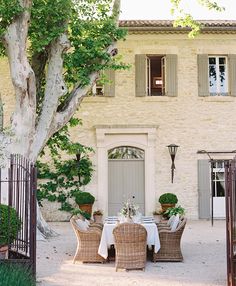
(126, 170)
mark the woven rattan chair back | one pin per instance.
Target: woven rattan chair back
(87, 244)
(130, 246)
(170, 243)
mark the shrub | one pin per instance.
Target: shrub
(15, 275)
(83, 213)
(168, 198)
(10, 224)
(84, 198)
(174, 211)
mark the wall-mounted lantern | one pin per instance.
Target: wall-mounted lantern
(172, 150)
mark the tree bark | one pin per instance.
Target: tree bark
(30, 132)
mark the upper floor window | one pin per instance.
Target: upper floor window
(105, 85)
(218, 75)
(156, 75)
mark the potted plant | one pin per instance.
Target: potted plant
(168, 200)
(174, 211)
(157, 214)
(10, 225)
(85, 201)
(97, 216)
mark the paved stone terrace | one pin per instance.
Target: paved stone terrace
(204, 263)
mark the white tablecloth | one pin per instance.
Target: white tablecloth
(107, 238)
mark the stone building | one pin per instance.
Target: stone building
(177, 91)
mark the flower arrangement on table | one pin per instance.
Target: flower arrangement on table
(129, 210)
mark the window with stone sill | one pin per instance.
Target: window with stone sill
(155, 75)
(216, 75)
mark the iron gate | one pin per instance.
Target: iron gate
(230, 171)
(18, 190)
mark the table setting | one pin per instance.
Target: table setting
(129, 213)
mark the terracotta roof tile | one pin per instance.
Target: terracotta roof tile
(169, 23)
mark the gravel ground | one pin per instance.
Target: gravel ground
(203, 248)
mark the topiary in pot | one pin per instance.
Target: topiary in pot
(10, 225)
(168, 200)
(85, 201)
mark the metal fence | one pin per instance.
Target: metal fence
(230, 171)
(18, 190)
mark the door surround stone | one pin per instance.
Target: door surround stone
(140, 136)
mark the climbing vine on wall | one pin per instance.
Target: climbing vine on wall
(63, 178)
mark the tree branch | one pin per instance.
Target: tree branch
(78, 93)
(23, 78)
(54, 89)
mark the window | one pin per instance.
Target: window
(218, 75)
(218, 180)
(156, 75)
(105, 85)
(125, 152)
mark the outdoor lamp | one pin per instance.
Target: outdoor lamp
(172, 150)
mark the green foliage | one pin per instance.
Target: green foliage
(186, 20)
(90, 34)
(83, 198)
(48, 21)
(168, 198)
(174, 211)
(15, 275)
(83, 213)
(64, 177)
(10, 224)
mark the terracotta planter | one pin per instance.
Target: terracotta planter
(166, 206)
(3, 251)
(86, 208)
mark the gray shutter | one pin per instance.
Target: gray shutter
(171, 75)
(204, 192)
(109, 88)
(232, 74)
(203, 75)
(140, 75)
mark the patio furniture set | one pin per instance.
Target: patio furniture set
(130, 240)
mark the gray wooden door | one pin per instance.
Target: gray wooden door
(125, 181)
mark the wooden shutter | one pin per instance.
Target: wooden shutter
(140, 75)
(171, 75)
(232, 74)
(109, 88)
(203, 75)
(204, 192)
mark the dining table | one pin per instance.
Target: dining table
(107, 238)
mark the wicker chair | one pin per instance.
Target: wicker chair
(130, 246)
(87, 244)
(170, 243)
